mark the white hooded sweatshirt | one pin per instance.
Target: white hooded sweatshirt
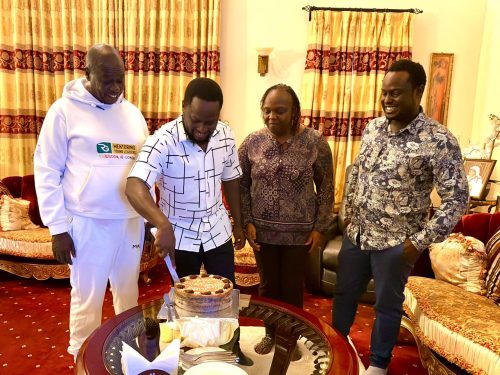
(83, 155)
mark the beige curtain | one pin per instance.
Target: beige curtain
(38, 57)
(164, 43)
(348, 54)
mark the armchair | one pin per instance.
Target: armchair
(321, 265)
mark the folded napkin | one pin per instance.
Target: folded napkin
(199, 332)
(134, 363)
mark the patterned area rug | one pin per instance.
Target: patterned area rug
(34, 325)
(250, 336)
(406, 360)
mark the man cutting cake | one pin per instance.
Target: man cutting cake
(189, 159)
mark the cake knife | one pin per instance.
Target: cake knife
(165, 312)
(168, 261)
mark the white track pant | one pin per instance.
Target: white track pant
(105, 249)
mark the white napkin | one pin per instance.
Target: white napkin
(134, 363)
(198, 332)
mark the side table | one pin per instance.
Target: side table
(100, 353)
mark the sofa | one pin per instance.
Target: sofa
(28, 253)
(458, 331)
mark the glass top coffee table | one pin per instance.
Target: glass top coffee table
(100, 354)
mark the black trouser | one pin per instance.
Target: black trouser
(218, 261)
(281, 271)
(390, 271)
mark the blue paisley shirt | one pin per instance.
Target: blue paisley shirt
(389, 188)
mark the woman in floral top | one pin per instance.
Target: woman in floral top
(287, 197)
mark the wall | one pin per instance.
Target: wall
(488, 86)
(444, 26)
(247, 25)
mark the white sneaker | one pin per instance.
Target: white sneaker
(375, 371)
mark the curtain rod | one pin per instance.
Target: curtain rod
(309, 8)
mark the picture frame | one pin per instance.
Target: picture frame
(478, 172)
(438, 95)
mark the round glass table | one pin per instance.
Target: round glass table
(100, 353)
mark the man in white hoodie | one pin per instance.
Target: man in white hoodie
(87, 145)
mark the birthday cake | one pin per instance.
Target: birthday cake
(203, 293)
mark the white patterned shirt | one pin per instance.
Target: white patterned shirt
(189, 180)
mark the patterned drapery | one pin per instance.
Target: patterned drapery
(348, 55)
(43, 44)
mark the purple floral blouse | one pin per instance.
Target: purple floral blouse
(286, 190)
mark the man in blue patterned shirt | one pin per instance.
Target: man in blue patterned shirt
(403, 156)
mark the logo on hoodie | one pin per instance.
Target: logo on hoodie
(104, 148)
(115, 150)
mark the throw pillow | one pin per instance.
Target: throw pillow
(460, 261)
(493, 275)
(4, 190)
(14, 214)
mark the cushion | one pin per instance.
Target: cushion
(492, 283)
(28, 193)
(4, 190)
(14, 214)
(460, 261)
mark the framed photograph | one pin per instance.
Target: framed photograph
(478, 173)
(439, 86)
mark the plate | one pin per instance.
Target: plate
(215, 368)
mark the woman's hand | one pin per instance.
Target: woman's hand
(316, 240)
(251, 234)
